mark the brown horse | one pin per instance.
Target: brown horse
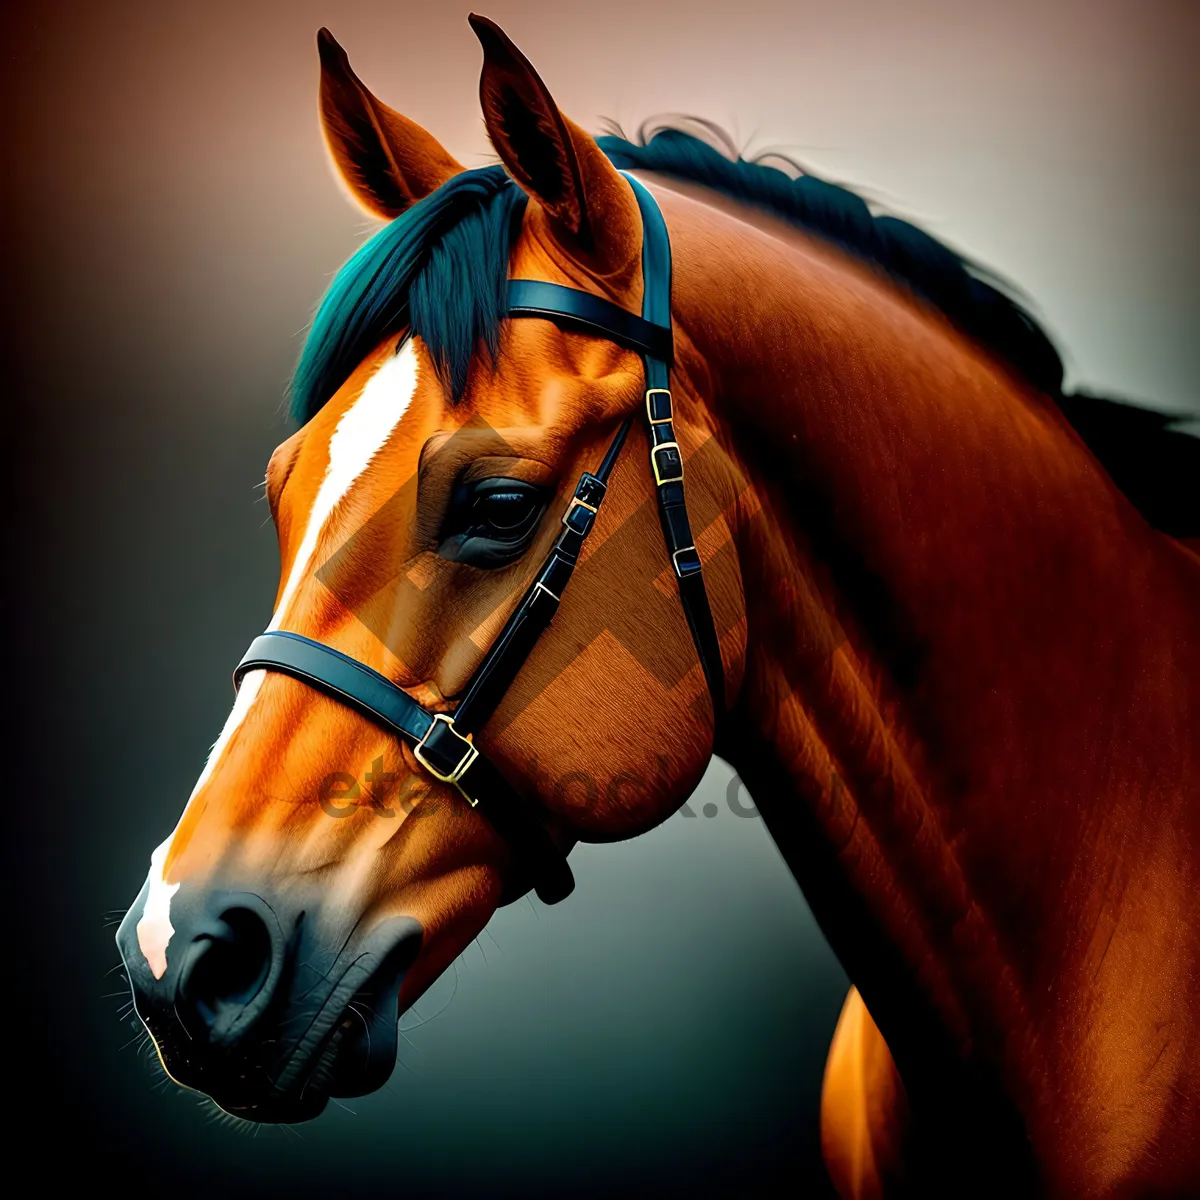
(961, 666)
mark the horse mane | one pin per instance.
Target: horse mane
(440, 269)
(975, 299)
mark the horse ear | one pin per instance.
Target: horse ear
(388, 161)
(590, 206)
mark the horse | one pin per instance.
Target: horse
(957, 620)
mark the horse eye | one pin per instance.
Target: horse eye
(491, 522)
(506, 511)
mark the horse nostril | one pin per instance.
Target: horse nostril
(225, 969)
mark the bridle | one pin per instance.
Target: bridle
(444, 743)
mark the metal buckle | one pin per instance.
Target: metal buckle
(658, 476)
(577, 503)
(685, 550)
(469, 755)
(650, 408)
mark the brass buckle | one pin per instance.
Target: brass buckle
(658, 477)
(650, 411)
(469, 756)
(577, 503)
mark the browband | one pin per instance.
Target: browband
(443, 742)
(590, 314)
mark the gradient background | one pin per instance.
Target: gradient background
(170, 223)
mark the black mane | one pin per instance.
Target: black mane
(1149, 457)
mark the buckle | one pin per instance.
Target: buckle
(692, 564)
(577, 503)
(655, 405)
(672, 470)
(590, 490)
(470, 754)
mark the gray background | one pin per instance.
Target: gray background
(170, 223)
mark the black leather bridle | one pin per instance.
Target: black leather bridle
(444, 743)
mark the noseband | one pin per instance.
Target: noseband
(444, 743)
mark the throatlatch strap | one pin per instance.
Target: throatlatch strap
(666, 462)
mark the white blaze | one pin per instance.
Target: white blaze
(361, 433)
(154, 929)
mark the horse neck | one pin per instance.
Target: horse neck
(965, 704)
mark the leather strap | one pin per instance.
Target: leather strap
(591, 314)
(666, 461)
(337, 675)
(512, 647)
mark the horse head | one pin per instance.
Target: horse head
(320, 877)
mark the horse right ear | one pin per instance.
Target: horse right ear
(388, 161)
(591, 208)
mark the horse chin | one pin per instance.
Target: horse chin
(354, 1058)
(282, 1113)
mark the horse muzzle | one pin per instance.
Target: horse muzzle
(270, 1012)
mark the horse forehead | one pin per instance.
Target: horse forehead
(355, 424)
(547, 378)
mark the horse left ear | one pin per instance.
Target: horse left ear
(591, 207)
(387, 161)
